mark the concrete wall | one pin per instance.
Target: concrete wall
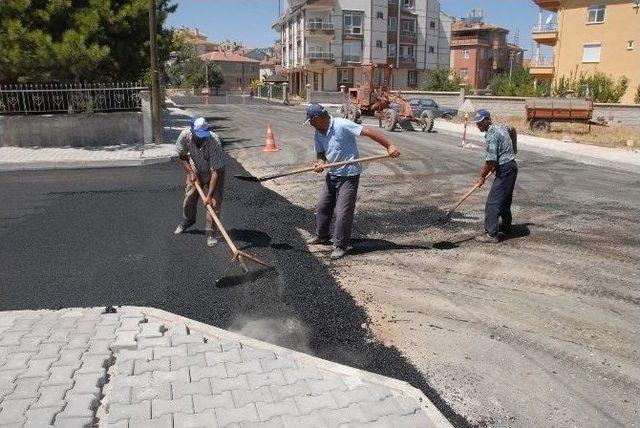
(616, 114)
(77, 130)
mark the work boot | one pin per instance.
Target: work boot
(182, 227)
(316, 240)
(338, 252)
(486, 238)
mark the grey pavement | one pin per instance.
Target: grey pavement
(142, 367)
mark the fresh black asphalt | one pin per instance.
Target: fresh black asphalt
(104, 237)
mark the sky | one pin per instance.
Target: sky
(250, 21)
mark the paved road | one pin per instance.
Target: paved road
(540, 331)
(81, 238)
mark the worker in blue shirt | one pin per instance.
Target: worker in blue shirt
(335, 141)
(499, 156)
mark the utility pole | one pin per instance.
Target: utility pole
(156, 117)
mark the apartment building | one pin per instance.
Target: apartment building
(238, 71)
(479, 50)
(325, 42)
(588, 36)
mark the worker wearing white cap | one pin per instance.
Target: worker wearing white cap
(202, 158)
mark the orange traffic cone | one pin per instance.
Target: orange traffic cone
(270, 141)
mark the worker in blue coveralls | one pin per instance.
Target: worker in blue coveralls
(499, 156)
(335, 141)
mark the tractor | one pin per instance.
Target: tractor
(390, 109)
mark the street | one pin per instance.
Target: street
(539, 330)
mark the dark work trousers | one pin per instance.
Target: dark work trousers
(338, 196)
(499, 200)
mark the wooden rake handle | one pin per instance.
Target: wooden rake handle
(329, 165)
(465, 196)
(237, 254)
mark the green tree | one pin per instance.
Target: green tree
(64, 40)
(188, 70)
(636, 99)
(520, 85)
(441, 79)
(600, 87)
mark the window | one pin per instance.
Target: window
(432, 25)
(464, 73)
(407, 4)
(465, 53)
(595, 14)
(391, 50)
(393, 23)
(412, 77)
(591, 52)
(352, 51)
(353, 23)
(378, 43)
(408, 27)
(345, 76)
(380, 15)
(407, 53)
(432, 49)
(630, 45)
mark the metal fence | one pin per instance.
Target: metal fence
(69, 98)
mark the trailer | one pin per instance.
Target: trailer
(542, 112)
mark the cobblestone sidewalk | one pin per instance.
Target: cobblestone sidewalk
(142, 367)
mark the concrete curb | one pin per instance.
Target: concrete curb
(303, 359)
(79, 164)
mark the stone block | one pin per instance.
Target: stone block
(163, 407)
(93, 364)
(62, 375)
(344, 398)
(151, 392)
(249, 354)
(195, 338)
(151, 342)
(308, 421)
(201, 387)
(126, 354)
(135, 381)
(218, 386)
(330, 382)
(160, 377)
(310, 403)
(137, 411)
(13, 410)
(141, 366)
(177, 362)
(232, 356)
(280, 392)
(25, 389)
(268, 411)
(202, 403)
(214, 372)
(235, 369)
(201, 420)
(278, 364)
(274, 377)
(302, 373)
(259, 395)
(247, 413)
(151, 329)
(168, 351)
(78, 406)
(42, 416)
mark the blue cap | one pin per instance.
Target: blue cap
(313, 110)
(200, 127)
(482, 115)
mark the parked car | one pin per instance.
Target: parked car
(418, 105)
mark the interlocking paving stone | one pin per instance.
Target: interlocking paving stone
(165, 374)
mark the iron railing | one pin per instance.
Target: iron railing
(34, 98)
(545, 28)
(319, 55)
(315, 25)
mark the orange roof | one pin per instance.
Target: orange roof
(226, 56)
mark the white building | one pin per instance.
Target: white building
(325, 41)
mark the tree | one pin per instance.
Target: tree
(636, 99)
(188, 70)
(441, 79)
(78, 40)
(521, 84)
(600, 87)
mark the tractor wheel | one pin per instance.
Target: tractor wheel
(390, 119)
(426, 121)
(541, 125)
(354, 113)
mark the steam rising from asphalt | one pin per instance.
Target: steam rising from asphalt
(286, 332)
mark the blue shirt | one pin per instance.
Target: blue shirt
(499, 147)
(340, 145)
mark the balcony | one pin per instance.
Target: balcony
(352, 58)
(541, 67)
(550, 5)
(545, 34)
(315, 28)
(407, 60)
(469, 41)
(325, 57)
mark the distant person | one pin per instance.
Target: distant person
(335, 141)
(499, 156)
(251, 93)
(202, 158)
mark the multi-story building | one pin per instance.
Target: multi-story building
(195, 37)
(589, 36)
(325, 42)
(479, 50)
